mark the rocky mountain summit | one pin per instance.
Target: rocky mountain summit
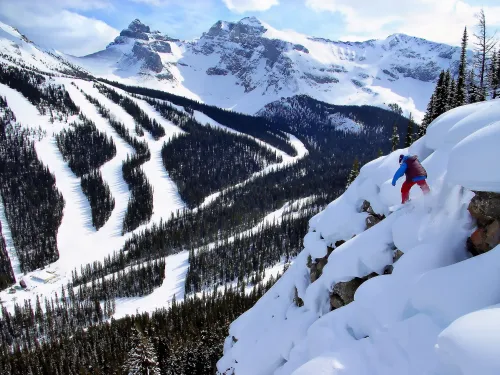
(247, 64)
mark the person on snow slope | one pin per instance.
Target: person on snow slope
(415, 174)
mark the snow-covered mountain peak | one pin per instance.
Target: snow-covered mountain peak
(137, 25)
(247, 64)
(243, 29)
(12, 33)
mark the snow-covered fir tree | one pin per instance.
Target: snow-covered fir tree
(142, 359)
(461, 93)
(395, 137)
(409, 131)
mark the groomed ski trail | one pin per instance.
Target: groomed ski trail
(176, 267)
(166, 198)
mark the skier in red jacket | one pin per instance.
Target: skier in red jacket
(415, 174)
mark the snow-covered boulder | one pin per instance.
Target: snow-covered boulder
(422, 317)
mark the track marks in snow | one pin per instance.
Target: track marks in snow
(176, 268)
(112, 170)
(9, 242)
(287, 160)
(166, 198)
(76, 225)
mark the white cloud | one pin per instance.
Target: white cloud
(441, 20)
(242, 6)
(58, 25)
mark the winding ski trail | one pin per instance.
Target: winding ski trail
(78, 241)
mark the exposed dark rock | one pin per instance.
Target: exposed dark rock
(138, 26)
(397, 254)
(298, 301)
(338, 243)
(366, 206)
(316, 269)
(167, 76)
(161, 46)
(217, 72)
(321, 79)
(301, 48)
(357, 83)
(478, 242)
(343, 292)
(485, 207)
(427, 72)
(272, 50)
(392, 75)
(151, 59)
(372, 220)
(493, 234)
(134, 34)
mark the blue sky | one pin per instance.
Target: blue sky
(84, 26)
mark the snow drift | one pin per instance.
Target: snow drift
(432, 311)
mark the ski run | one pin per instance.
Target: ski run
(78, 241)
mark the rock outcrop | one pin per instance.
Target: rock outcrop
(485, 208)
(372, 218)
(343, 292)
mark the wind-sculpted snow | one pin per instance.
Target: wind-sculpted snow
(434, 314)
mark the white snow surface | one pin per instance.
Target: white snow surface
(437, 313)
(78, 241)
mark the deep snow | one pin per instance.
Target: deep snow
(78, 241)
(435, 314)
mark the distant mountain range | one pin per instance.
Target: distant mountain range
(248, 64)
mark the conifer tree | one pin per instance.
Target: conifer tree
(409, 131)
(142, 359)
(354, 172)
(461, 94)
(380, 152)
(472, 89)
(428, 117)
(493, 76)
(451, 94)
(497, 70)
(441, 94)
(395, 137)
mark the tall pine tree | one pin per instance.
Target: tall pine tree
(354, 172)
(409, 131)
(441, 94)
(472, 89)
(395, 137)
(142, 359)
(461, 89)
(451, 94)
(493, 76)
(429, 116)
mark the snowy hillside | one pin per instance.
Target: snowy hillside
(16, 48)
(247, 64)
(414, 291)
(79, 243)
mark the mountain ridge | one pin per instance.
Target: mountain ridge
(247, 64)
